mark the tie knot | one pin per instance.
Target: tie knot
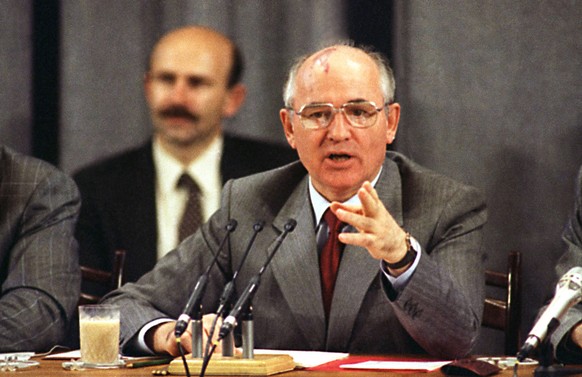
(186, 182)
(332, 221)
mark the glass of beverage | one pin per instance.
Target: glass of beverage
(99, 335)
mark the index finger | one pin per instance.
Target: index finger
(370, 200)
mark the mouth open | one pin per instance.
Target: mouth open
(339, 157)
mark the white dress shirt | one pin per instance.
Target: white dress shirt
(171, 200)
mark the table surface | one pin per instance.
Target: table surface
(51, 368)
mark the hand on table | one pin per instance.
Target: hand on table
(161, 339)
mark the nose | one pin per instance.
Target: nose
(339, 128)
(179, 92)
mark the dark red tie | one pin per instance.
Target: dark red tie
(329, 258)
(192, 217)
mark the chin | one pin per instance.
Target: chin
(344, 189)
(180, 140)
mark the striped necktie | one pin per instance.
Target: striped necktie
(329, 258)
(192, 216)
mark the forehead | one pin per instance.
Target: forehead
(192, 54)
(338, 74)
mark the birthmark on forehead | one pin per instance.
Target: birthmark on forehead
(321, 59)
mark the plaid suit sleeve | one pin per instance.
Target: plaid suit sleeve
(39, 271)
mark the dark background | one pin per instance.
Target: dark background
(490, 92)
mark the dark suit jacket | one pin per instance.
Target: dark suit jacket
(438, 312)
(39, 267)
(119, 208)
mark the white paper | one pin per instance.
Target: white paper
(306, 359)
(425, 366)
(75, 354)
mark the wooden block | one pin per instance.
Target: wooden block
(260, 365)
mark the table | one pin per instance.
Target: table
(51, 368)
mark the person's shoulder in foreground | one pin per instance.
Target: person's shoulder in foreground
(39, 271)
(567, 338)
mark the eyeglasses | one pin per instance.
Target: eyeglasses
(360, 114)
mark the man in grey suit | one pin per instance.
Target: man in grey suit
(410, 279)
(39, 268)
(567, 338)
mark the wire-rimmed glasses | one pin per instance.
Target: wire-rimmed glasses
(360, 114)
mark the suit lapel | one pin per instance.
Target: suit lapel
(358, 269)
(296, 267)
(389, 188)
(356, 272)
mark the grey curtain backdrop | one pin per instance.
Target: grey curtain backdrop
(491, 94)
(106, 44)
(490, 90)
(15, 74)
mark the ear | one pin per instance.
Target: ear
(285, 116)
(234, 100)
(393, 119)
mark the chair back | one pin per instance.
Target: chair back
(110, 280)
(505, 313)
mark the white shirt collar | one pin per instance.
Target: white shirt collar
(204, 169)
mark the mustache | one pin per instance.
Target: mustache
(178, 111)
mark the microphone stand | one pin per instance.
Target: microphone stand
(244, 300)
(266, 364)
(197, 328)
(194, 304)
(546, 367)
(227, 341)
(226, 298)
(248, 332)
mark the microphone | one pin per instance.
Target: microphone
(568, 293)
(230, 322)
(196, 297)
(228, 291)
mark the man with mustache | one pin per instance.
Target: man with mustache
(131, 201)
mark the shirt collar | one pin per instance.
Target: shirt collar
(203, 169)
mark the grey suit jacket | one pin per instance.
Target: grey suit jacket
(438, 312)
(572, 257)
(39, 269)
